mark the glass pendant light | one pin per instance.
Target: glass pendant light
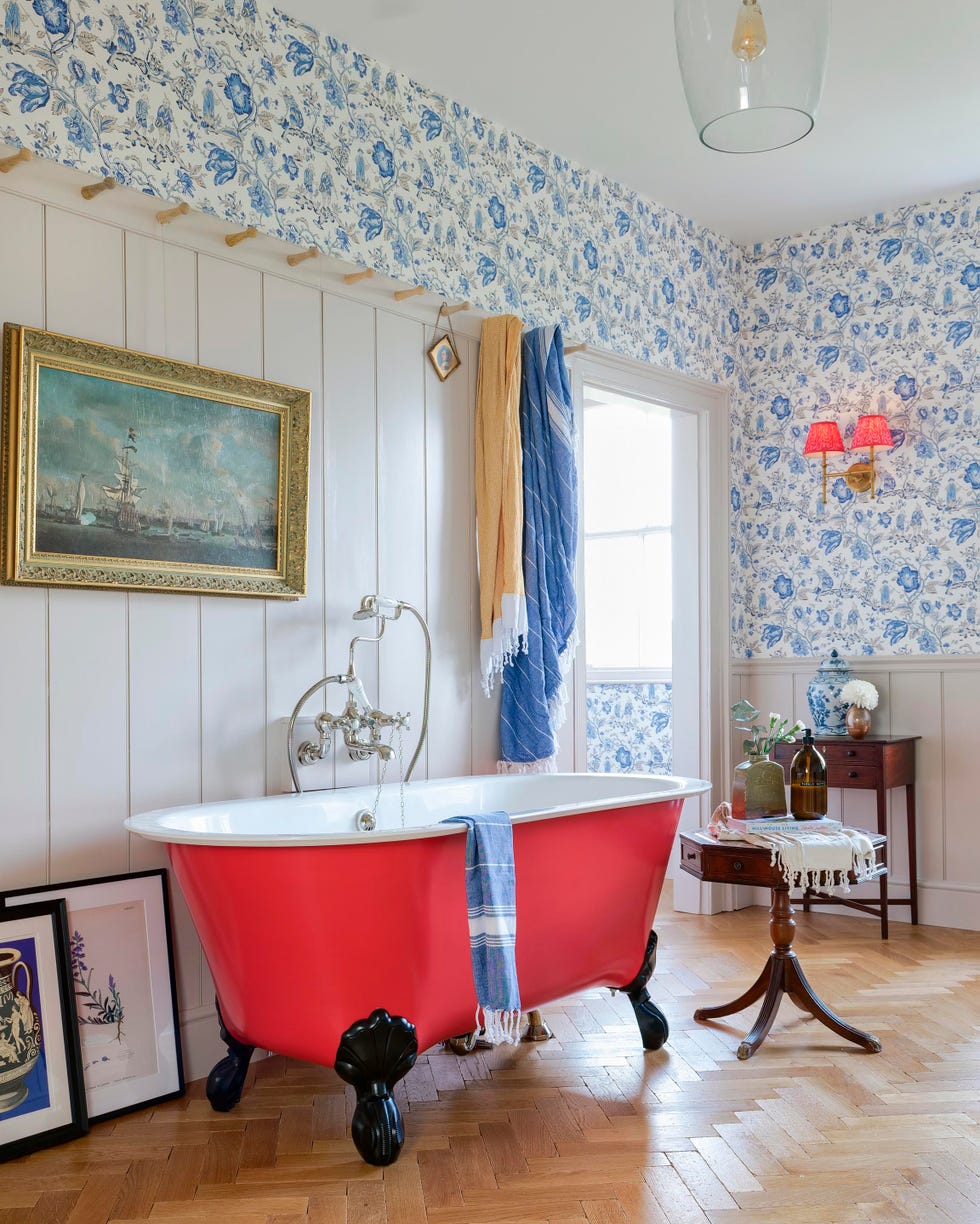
(752, 81)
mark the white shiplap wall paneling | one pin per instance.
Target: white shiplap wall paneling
(88, 631)
(164, 633)
(451, 565)
(294, 628)
(917, 709)
(233, 670)
(961, 704)
(350, 505)
(402, 517)
(23, 642)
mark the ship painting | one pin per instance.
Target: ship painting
(125, 493)
(143, 473)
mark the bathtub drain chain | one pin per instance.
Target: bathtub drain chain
(383, 772)
(401, 772)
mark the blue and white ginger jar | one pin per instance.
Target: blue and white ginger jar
(823, 696)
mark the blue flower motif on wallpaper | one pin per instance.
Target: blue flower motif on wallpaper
(629, 728)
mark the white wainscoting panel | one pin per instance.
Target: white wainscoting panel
(938, 699)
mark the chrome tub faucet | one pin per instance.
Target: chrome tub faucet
(360, 724)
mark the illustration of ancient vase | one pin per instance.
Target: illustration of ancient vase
(20, 1029)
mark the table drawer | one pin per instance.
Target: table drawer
(862, 777)
(848, 753)
(727, 863)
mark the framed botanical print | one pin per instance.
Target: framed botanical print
(126, 471)
(42, 1099)
(122, 977)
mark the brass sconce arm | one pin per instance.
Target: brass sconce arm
(859, 477)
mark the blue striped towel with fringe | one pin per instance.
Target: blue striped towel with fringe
(492, 912)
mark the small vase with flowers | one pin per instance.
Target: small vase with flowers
(758, 787)
(861, 697)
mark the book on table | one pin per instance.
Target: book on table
(781, 824)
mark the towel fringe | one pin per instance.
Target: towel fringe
(500, 1027)
(544, 766)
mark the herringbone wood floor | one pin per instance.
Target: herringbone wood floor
(588, 1128)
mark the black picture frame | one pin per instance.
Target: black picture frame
(42, 1098)
(129, 1030)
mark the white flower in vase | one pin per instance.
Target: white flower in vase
(860, 693)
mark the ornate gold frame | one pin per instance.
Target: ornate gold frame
(25, 350)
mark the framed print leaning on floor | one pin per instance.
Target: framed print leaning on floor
(42, 1100)
(122, 974)
(126, 471)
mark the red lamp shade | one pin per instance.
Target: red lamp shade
(824, 436)
(871, 431)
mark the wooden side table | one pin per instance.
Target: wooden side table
(877, 762)
(731, 863)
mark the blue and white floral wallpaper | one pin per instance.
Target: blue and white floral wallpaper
(876, 315)
(629, 728)
(250, 115)
(253, 117)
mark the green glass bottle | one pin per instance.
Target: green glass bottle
(808, 782)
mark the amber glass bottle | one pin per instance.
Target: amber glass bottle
(808, 782)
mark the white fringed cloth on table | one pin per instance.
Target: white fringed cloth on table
(807, 857)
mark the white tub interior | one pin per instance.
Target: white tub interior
(328, 817)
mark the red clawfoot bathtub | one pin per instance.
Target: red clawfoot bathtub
(351, 949)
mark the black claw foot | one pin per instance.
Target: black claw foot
(373, 1055)
(652, 1023)
(224, 1087)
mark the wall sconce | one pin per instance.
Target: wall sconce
(823, 438)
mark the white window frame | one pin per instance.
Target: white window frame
(709, 404)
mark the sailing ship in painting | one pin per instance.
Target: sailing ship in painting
(197, 514)
(124, 495)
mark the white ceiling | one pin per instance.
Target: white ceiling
(599, 83)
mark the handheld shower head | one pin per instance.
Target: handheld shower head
(384, 607)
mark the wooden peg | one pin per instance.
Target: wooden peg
(401, 294)
(300, 256)
(451, 310)
(94, 189)
(166, 215)
(574, 348)
(7, 163)
(235, 239)
(353, 277)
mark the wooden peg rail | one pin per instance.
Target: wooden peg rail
(235, 239)
(7, 163)
(353, 277)
(166, 215)
(95, 189)
(300, 256)
(451, 310)
(401, 294)
(574, 348)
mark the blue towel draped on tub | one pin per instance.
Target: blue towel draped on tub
(533, 697)
(492, 911)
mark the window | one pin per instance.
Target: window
(627, 533)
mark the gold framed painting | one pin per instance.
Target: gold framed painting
(123, 471)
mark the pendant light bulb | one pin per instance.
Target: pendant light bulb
(749, 39)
